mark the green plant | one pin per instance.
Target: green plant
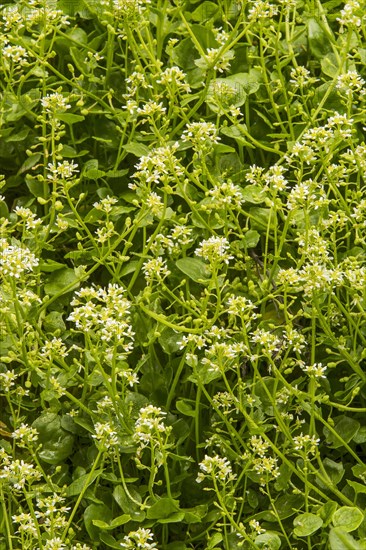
(182, 263)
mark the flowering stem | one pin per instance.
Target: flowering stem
(81, 495)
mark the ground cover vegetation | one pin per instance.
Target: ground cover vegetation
(182, 264)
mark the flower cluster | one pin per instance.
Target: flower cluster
(104, 314)
(159, 166)
(55, 103)
(25, 435)
(155, 269)
(140, 539)
(306, 443)
(216, 467)
(263, 464)
(62, 171)
(214, 250)
(224, 195)
(202, 135)
(15, 260)
(18, 473)
(105, 436)
(149, 429)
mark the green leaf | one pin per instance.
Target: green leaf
(287, 505)
(186, 407)
(163, 508)
(110, 541)
(54, 321)
(269, 541)
(169, 340)
(214, 541)
(251, 238)
(93, 216)
(348, 518)
(29, 163)
(327, 510)
(330, 65)
(339, 539)
(334, 470)
(71, 7)
(117, 522)
(91, 170)
(61, 279)
(35, 186)
(196, 514)
(48, 266)
(57, 443)
(261, 218)
(318, 40)
(98, 512)
(225, 93)
(306, 524)
(70, 152)
(253, 194)
(129, 503)
(78, 56)
(137, 149)
(204, 36)
(359, 470)
(19, 136)
(357, 487)
(345, 428)
(204, 374)
(4, 211)
(184, 54)
(360, 436)
(205, 11)
(70, 118)
(81, 483)
(177, 517)
(195, 268)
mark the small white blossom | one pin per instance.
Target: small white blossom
(55, 103)
(317, 370)
(105, 436)
(155, 269)
(142, 539)
(217, 467)
(14, 260)
(214, 250)
(25, 435)
(306, 443)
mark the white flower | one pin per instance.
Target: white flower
(202, 135)
(64, 170)
(106, 204)
(349, 15)
(316, 370)
(155, 269)
(139, 539)
(25, 435)
(14, 261)
(17, 54)
(306, 442)
(150, 421)
(55, 103)
(301, 77)
(105, 436)
(214, 250)
(217, 467)
(261, 9)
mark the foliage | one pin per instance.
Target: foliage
(182, 264)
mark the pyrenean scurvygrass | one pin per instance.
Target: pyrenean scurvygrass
(182, 263)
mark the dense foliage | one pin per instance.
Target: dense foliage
(182, 266)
